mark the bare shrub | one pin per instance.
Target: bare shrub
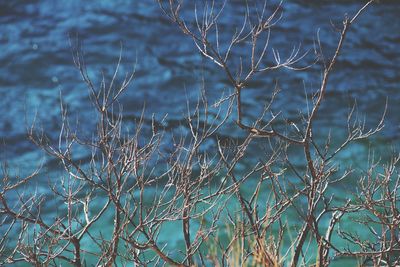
(141, 179)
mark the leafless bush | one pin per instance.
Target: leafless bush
(140, 180)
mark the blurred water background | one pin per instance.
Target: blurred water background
(37, 67)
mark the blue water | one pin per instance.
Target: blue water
(37, 67)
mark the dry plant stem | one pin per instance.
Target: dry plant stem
(244, 206)
(379, 193)
(150, 178)
(211, 51)
(316, 167)
(308, 138)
